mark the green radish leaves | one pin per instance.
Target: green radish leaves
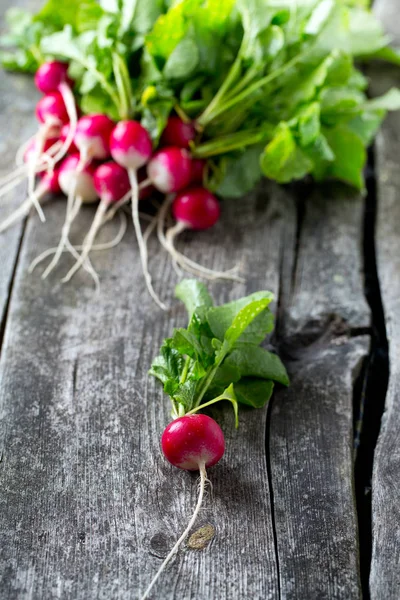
(218, 356)
(272, 86)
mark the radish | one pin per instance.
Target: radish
(52, 77)
(178, 133)
(92, 137)
(194, 208)
(170, 169)
(111, 182)
(49, 184)
(77, 185)
(131, 147)
(192, 442)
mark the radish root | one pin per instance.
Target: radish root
(88, 241)
(70, 106)
(96, 247)
(139, 236)
(23, 210)
(202, 486)
(73, 207)
(167, 241)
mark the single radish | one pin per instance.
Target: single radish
(92, 137)
(197, 171)
(170, 169)
(195, 208)
(178, 133)
(48, 184)
(52, 77)
(192, 442)
(131, 147)
(77, 184)
(111, 182)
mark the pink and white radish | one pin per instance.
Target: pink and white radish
(192, 442)
(77, 184)
(111, 182)
(131, 147)
(92, 137)
(48, 184)
(178, 133)
(52, 77)
(169, 169)
(195, 208)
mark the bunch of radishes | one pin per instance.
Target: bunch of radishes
(93, 159)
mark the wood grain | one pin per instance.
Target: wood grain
(385, 575)
(90, 506)
(311, 431)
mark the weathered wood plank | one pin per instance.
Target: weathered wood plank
(17, 102)
(90, 506)
(311, 430)
(385, 574)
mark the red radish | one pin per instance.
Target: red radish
(197, 172)
(192, 442)
(178, 133)
(92, 137)
(194, 208)
(111, 182)
(49, 183)
(52, 77)
(76, 181)
(51, 111)
(170, 169)
(131, 147)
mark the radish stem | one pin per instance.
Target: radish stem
(203, 480)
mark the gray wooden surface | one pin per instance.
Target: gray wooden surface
(385, 571)
(88, 506)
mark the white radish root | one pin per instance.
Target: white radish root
(202, 486)
(75, 249)
(70, 106)
(73, 207)
(139, 236)
(89, 240)
(23, 210)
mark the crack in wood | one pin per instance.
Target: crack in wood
(372, 392)
(4, 315)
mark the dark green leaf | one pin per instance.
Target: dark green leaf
(257, 362)
(254, 392)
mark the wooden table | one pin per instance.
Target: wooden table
(88, 505)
